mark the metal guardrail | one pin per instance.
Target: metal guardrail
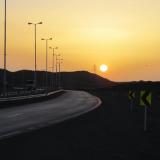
(18, 93)
(29, 96)
(20, 100)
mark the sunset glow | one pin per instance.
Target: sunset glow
(124, 34)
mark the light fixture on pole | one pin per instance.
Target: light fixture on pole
(35, 29)
(49, 39)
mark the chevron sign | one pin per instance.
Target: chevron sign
(132, 95)
(145, 98)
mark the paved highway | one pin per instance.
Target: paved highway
(25, 118)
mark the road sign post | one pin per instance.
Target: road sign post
(131, 105)
(145, 118)
(145, 100)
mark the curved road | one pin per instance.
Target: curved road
(25, 118)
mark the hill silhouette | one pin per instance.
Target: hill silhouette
(69, 80)
(84, 80)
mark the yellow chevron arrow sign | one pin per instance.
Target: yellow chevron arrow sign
(131, 95)
(145, 98)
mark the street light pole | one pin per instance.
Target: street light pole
(5, 50)
(60, 61)
(35, 59)
(46, 89)
(56, 78)
(35, 72)
(53, 84)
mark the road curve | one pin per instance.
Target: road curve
(29, 117)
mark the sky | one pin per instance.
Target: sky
(123, 34)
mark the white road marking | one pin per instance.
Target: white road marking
(15, 115)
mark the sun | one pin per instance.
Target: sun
(103, 68)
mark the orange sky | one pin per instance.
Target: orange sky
(124, 34)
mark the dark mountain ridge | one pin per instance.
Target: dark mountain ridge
(69, 80)
(78, 80)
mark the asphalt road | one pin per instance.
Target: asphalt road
(110, 132)
(25, 118)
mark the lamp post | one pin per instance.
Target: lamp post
(35, 29)
(56, 77)
(49, 39)
(58, 70)
(60, 61)
(5, 49)
(53, 84)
